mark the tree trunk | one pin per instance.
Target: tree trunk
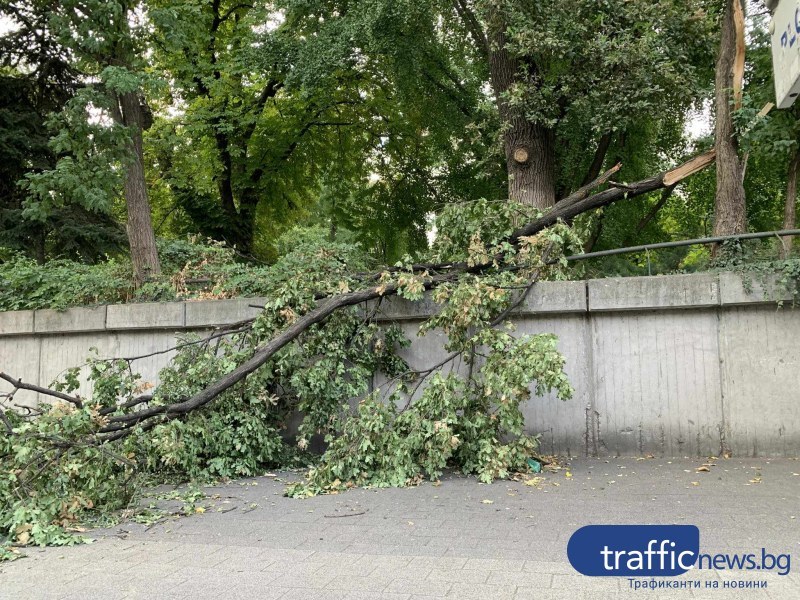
(730, 214)
(790, 209)
(530, 161)
(39, 240)
(225, 179)
(142, 239)
(529, 147)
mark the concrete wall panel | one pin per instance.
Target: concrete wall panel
(78, 320)
(15, 322)
(561, 424)
(149, 315)
(19, 357)
(760, 361)
(63, 351)
(656, 383)
(753, 289)
(637, 293)
(208, 313)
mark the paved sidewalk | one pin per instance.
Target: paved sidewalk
(458, 540)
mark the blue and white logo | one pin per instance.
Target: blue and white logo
(634, 550)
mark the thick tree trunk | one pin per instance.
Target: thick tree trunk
(142, 239)
(530, 160)
(790, 208)
(529, 147)
(730, 214)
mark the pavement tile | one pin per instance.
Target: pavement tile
(293, 569)
(316, 581)
(482, 591)
(386, 561)
(313, 594)
(534, 592)
(542, 566)
(520, 578)
(390, 549)
(333, 558)
(376, 596)
(484, 564)
(576, 581)
(412, 586)
(456, 575)
(438, 562)
(351, 583)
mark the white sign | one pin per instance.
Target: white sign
(785, 29)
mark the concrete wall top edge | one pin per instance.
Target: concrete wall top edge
(72, 319)
(737, 289)
(699, 290)
(208, 313)
(146, 315)
(15, 322)
(545, 297)
(661, 291)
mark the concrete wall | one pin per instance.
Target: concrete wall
(687, 365)
(38, 346)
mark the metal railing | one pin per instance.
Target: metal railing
(680, 243)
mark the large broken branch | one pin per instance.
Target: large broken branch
(121, 425)
(262, 355)
(609, 196)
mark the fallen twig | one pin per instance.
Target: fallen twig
(342, 516)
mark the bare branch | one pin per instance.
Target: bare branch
(599, 157)
(20, 385)
(645, 221)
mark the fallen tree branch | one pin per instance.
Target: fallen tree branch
(220, 331)
(606, 197)
(267, 351)
(129, 404)
(583, 191)
(122, 425)
(423, 374)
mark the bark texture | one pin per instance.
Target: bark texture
(142, 239)
(730, 212)
(529, 147)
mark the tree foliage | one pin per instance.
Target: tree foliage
(38, 83)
